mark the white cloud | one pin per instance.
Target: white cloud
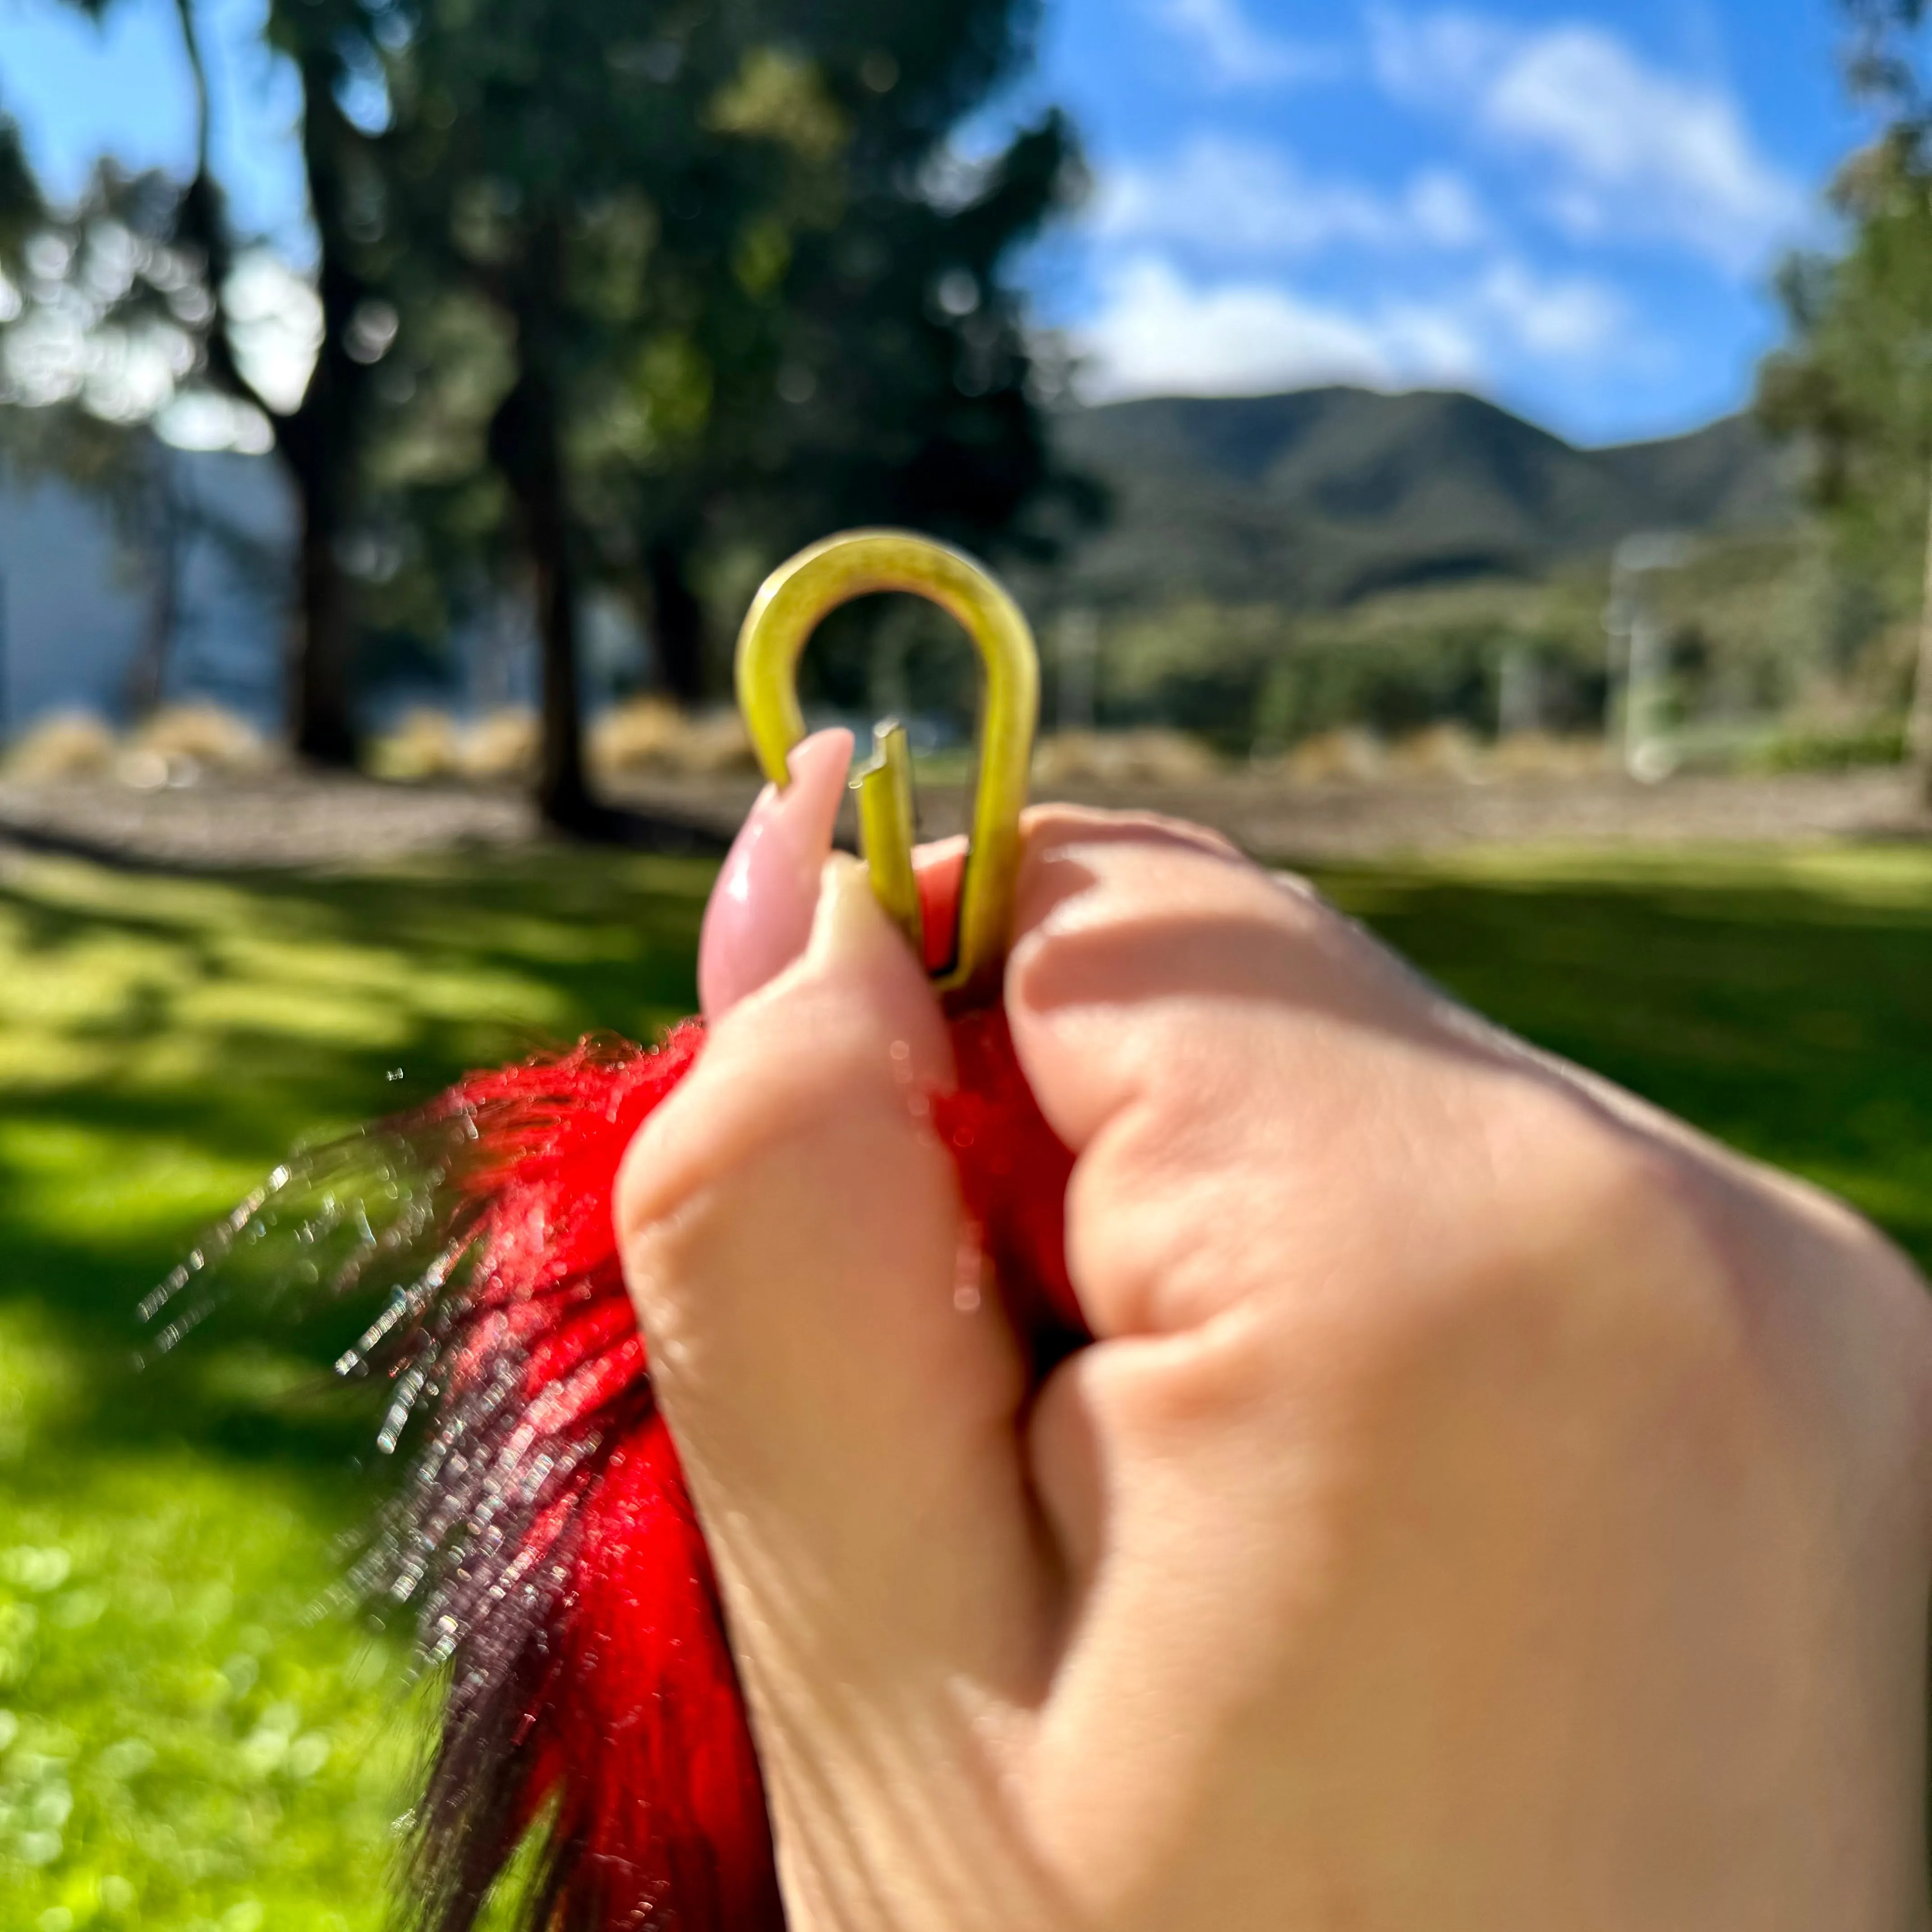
(1157, 333)
(1444, 210)
(1637, 151)
(1236, 53)
(1568, 319)
(1437, 56)
(1246, 199)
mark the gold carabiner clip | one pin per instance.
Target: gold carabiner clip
(789, 607)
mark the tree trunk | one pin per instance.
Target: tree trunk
(526, 445)
(562, 795)
(315, 450)
(321, 723)
(321, 440)
(317, 441)
(677, 623)
(1918, 722)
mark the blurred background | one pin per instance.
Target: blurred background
(423, 390)
(1481, 453)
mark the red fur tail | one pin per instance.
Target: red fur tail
(548, 1530)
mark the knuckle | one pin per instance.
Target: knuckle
(1729, 1306)
(1618, 1241)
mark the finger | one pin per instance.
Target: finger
(844, 1395)
(760, 912)
(1146, 951)
(1255, 1091)
(1215, 1044)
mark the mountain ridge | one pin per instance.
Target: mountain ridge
(1316, 498)
(1310, 499)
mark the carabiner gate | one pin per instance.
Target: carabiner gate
(790, 605)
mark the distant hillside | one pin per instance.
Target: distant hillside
(1317, 498)
(1309, 501)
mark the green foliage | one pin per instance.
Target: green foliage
(22, 208)
(194, 1736)
(1883, 743)
(695, 261)
(1855, 381)
(1748, 622)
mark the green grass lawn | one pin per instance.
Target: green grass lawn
(192, 1733)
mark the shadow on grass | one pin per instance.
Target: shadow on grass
(164, 1041)
(167, 1039)
(1787, 1011)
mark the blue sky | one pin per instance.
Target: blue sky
(1573, 209)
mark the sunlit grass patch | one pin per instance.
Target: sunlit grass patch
(191, 1735)
(1781, 1000)
(196, 1733)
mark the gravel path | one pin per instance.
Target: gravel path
(301, 819)
(282, 819)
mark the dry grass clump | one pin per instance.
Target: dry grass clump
(173, 746)
(432, 744)
(1445, 751)
(204, 735)
(501, 746)
(1349, 753)
(69, 744)
(652, 735)
(424, 744)
(646, 736)
(636, 736)
(1123, 758)
(1448, 750)
(1543, 754)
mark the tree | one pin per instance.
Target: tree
(724, 294)
(1855, 381)
(330, 44)
(103, 312)
(893, 379)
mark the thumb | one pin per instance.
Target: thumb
(843, 1397)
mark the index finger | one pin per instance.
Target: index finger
(1221, 1049)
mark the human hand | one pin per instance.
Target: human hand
(1485, 1504)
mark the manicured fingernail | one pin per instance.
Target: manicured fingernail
(760, 913)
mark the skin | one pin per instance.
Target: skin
(1487, 1506)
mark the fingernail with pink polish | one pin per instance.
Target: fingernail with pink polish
(760, 913)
